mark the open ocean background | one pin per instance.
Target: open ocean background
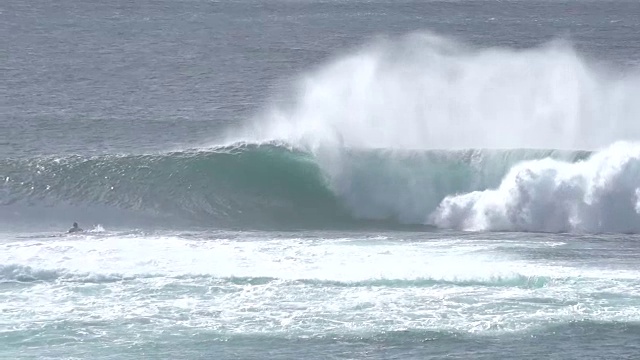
(309, 179)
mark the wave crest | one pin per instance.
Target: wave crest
(265, 185)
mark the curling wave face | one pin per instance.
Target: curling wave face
(355, 145)
(266, 185)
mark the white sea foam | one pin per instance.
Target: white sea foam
(422, 91)
(247, 283)
(600, 194)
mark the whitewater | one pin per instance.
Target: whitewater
(239, 294)
(321, 180)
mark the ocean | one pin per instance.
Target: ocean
(320, 179)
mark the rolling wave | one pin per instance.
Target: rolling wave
(244, 182)
(355, 148)
(265, 185)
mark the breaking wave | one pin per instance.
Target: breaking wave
(600, 194)
(265, 185)
(354, 146)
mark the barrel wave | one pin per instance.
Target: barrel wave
(245, 183)
(264, 185)
(416, 130)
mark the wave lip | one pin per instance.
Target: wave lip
(277, 186)
(262, 185)
(259, 184)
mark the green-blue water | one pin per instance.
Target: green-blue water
(319, 179)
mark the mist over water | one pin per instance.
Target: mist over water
(424, 91)
(356, 142)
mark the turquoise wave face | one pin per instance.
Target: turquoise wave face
(264, 185)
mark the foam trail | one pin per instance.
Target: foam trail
(600, 194)
(423, 92)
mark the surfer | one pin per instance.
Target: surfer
(75, 228)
